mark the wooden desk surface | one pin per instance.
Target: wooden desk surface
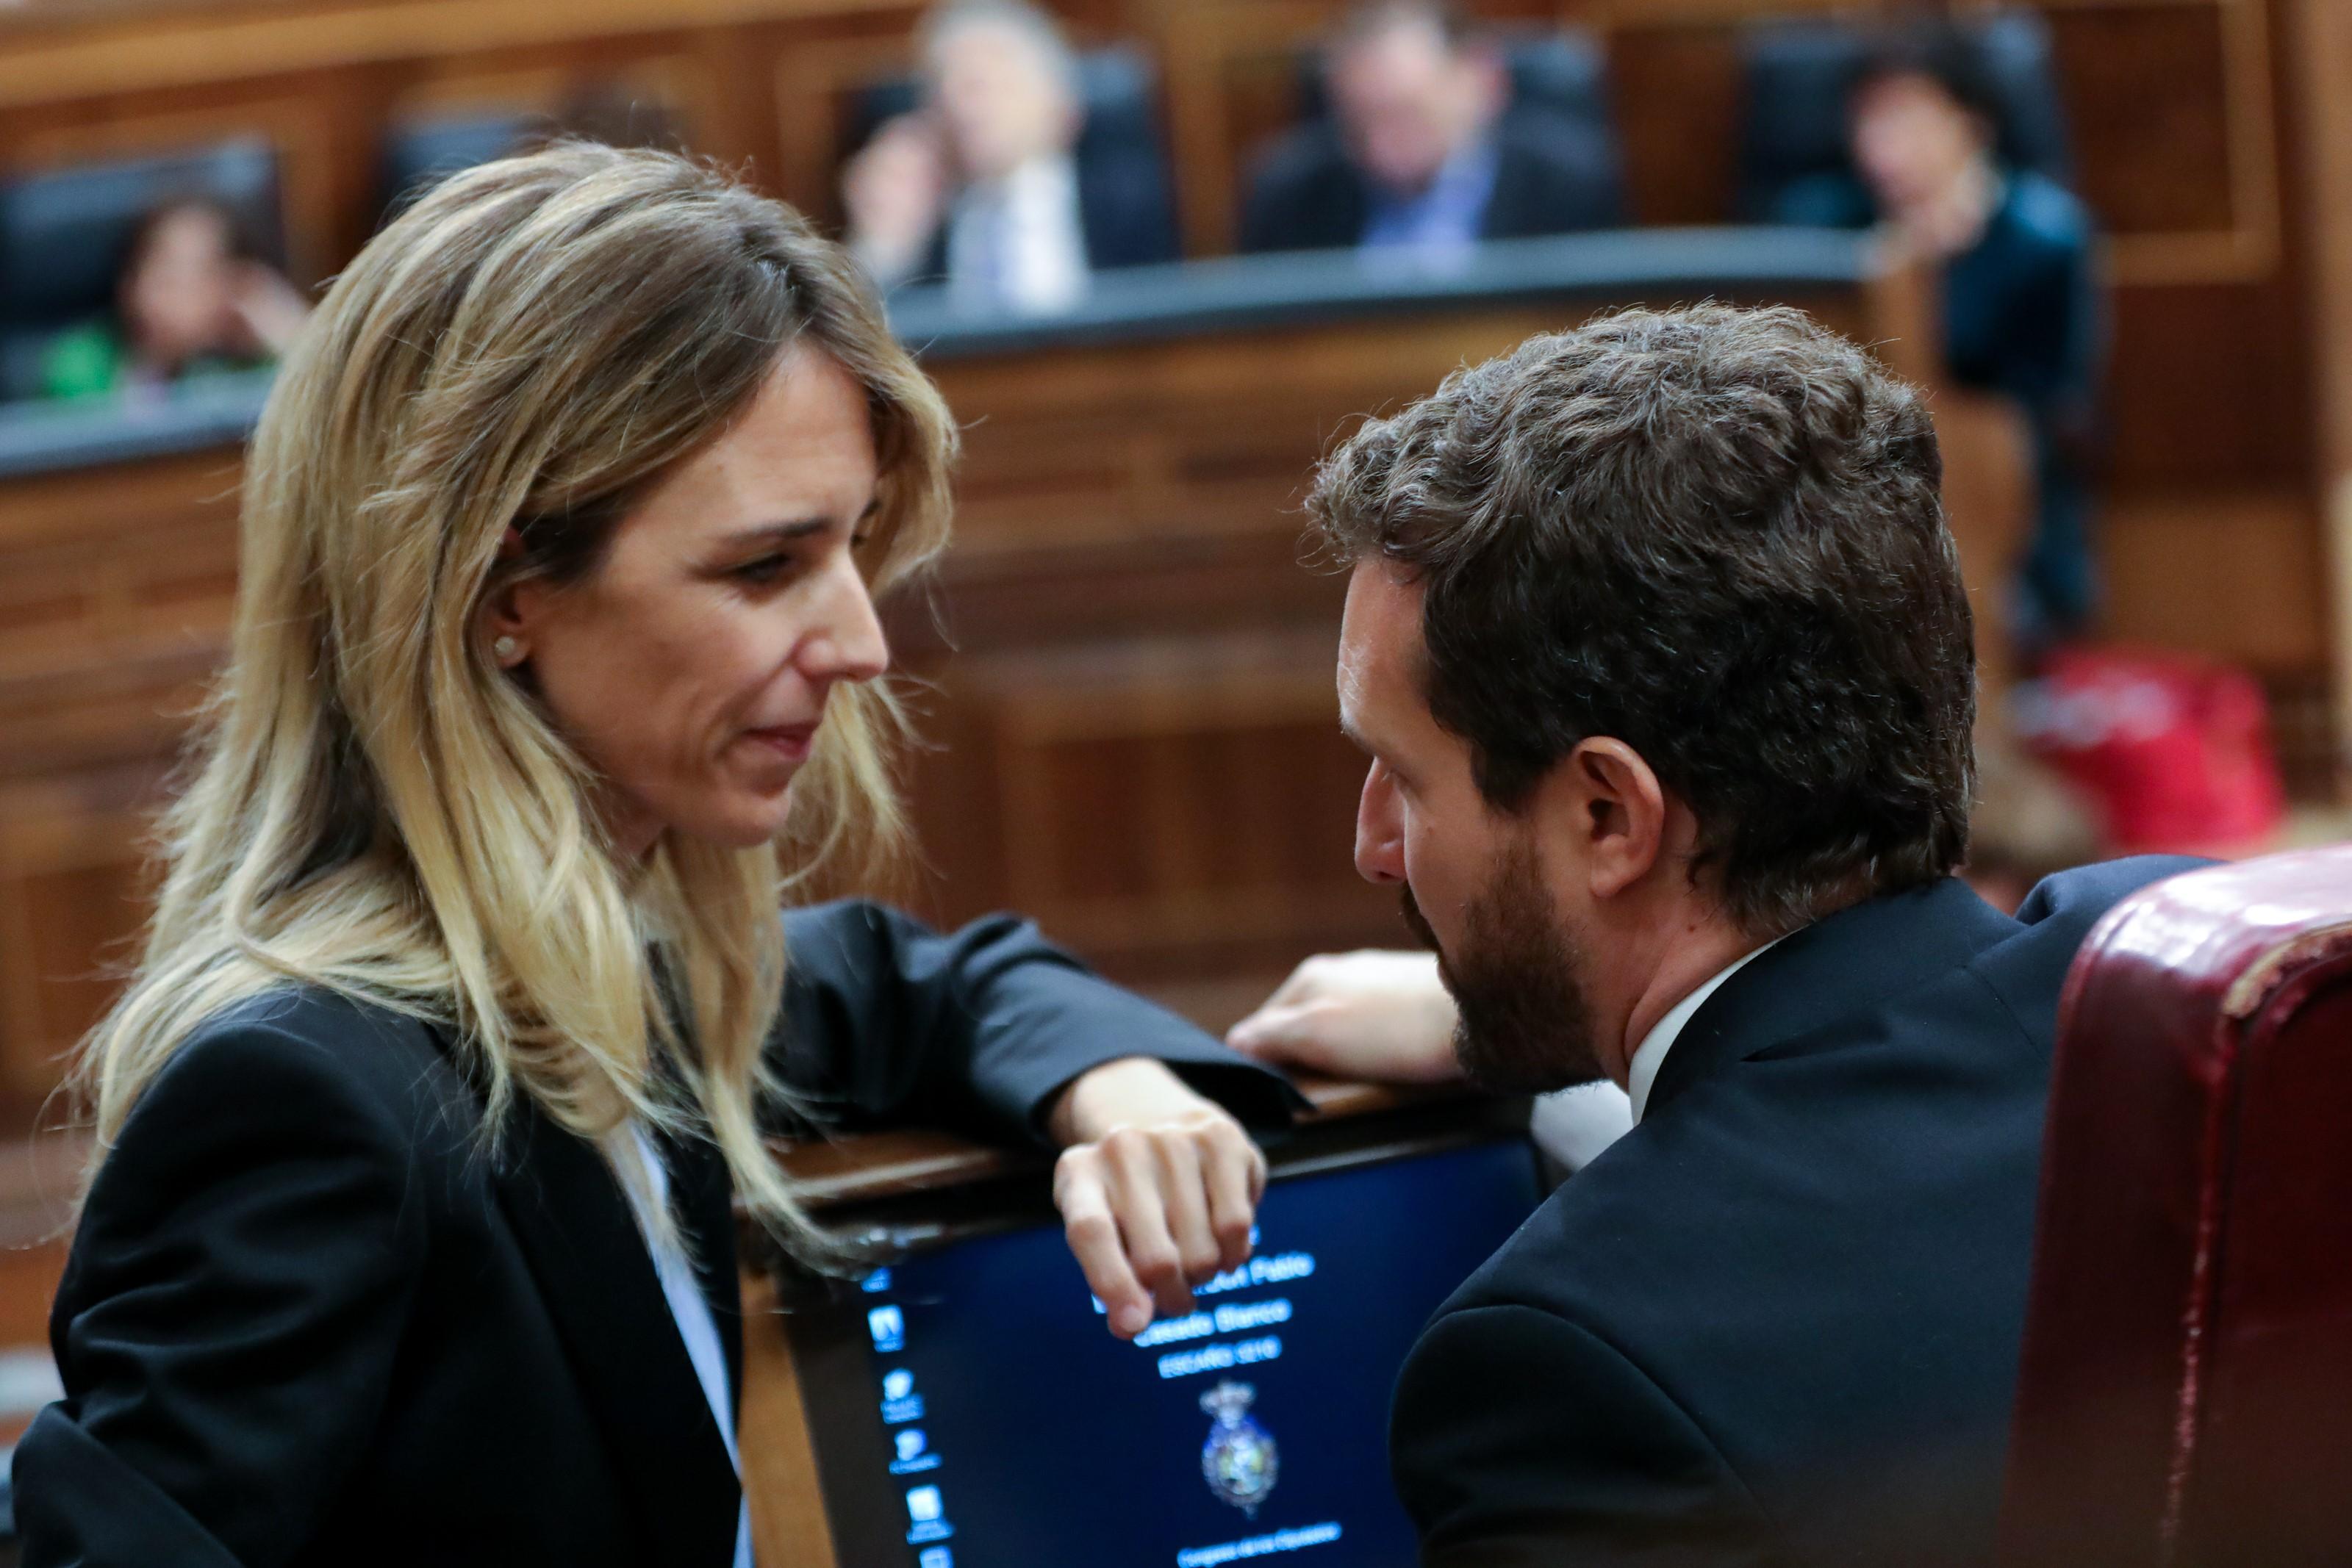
(870, 1166)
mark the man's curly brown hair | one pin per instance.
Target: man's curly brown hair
(1716, 535)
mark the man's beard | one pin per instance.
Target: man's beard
(1516, 977)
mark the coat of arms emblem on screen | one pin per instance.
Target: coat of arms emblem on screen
(1239, 1458)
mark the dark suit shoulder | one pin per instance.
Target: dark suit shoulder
(392, 1058)
(1552, 139)
(1519, 1435)
(1755, 1164)
(240, 1284)
(1303, 155)
(1303, 194)
(2028, 971)
(2071, 902)
(296, 1065)
(1819, 1252)
(1553, 175)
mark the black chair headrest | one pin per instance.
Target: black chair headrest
(1798, 76)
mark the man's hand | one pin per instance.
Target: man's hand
(895, 193)
(1157, 1187)
(1385, 1017)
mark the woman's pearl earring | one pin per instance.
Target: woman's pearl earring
(505, 649)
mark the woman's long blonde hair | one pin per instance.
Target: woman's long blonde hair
(376, 807)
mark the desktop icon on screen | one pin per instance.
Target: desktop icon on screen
(899, 1400)
(914, 1450)
(936, 1557)
(889, 1327)
(925, 1514)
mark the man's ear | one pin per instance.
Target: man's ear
(1606, 801)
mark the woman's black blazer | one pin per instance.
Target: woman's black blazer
(308, 1321)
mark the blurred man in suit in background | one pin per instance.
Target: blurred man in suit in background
(1422, 154)
(986, 185)
(1657, 642)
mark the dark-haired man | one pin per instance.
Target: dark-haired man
(1657, 642)
(1424, 155)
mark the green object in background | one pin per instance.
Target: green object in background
(93, 362)
(84, 362)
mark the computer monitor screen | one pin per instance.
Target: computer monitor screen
(1017, 1433)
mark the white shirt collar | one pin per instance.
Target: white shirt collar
(1651, 1054)
(1020, 241)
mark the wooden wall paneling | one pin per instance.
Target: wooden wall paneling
(812, 85)
(1989, 503)
(73, 893)
(738, 126)
(1165, 800)
(1677, 89)
(1201, 583)
(650, 83)
(2173, 113)
(2318, 38)
(2237, 576)
(2207, 389)
(57, 58)
(29, 1273)
(119, 587)
(148, 586)
(1231, 84)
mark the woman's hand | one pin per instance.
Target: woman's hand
(1380, 1015)
(1157, 1187)
(266, 311)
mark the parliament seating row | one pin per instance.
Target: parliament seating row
(2184, 121)
(62, 229)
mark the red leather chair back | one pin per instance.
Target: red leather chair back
(2186, 1392)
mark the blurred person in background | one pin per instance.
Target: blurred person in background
(1424, 155)
(2021, 312)
(192, 297)
(985, 185)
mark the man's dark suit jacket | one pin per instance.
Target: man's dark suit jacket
(1126, 213)
(1778, 1321)
(1551, 176)
(310, 1320)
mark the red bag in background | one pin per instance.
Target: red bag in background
(2172, 751)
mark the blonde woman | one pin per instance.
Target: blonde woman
(467, 1000)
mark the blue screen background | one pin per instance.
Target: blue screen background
(1051, 1445)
